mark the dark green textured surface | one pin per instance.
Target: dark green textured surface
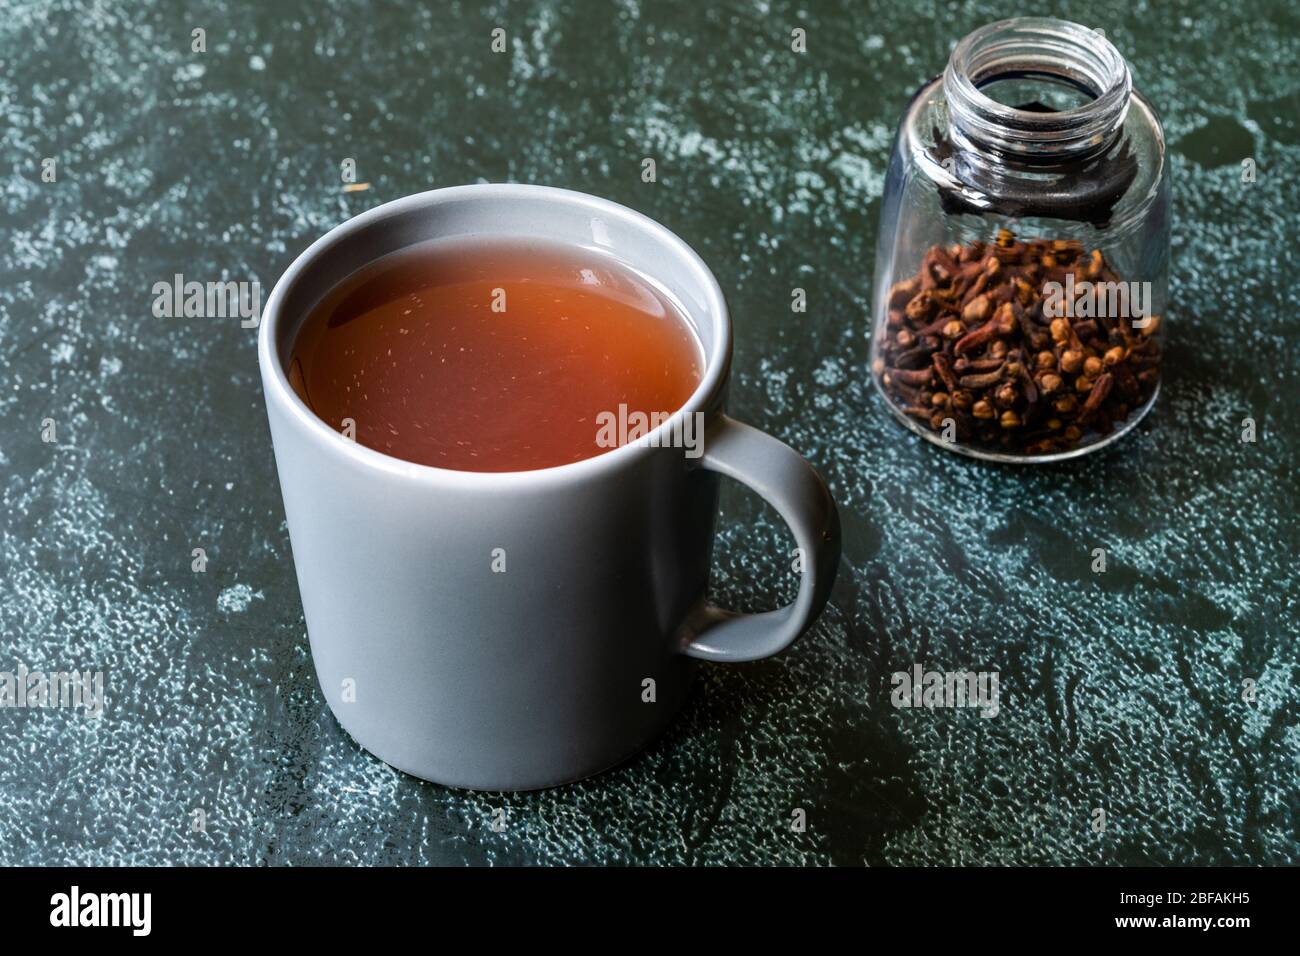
(1120, 690)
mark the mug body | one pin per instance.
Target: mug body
(497, 631)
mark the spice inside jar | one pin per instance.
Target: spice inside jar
(1018, 347)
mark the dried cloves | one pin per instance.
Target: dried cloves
(975, 335)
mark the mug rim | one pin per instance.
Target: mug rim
(276, 385)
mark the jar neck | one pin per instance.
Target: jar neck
(1036, 48)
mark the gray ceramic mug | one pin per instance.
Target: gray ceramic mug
(449, 669)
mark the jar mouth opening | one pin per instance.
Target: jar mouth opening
(1043, 50)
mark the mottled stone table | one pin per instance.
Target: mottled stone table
(1124, 691)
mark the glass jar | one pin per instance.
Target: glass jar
(1022, 265)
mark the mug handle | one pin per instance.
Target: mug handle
(787, 482)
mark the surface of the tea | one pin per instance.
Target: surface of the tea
(492, 354)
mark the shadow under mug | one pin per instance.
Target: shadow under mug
(580, 652)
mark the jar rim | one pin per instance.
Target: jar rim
(1044, 47)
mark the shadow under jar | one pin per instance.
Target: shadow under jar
(1023, 259)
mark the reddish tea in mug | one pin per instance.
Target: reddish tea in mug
(492, 354)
